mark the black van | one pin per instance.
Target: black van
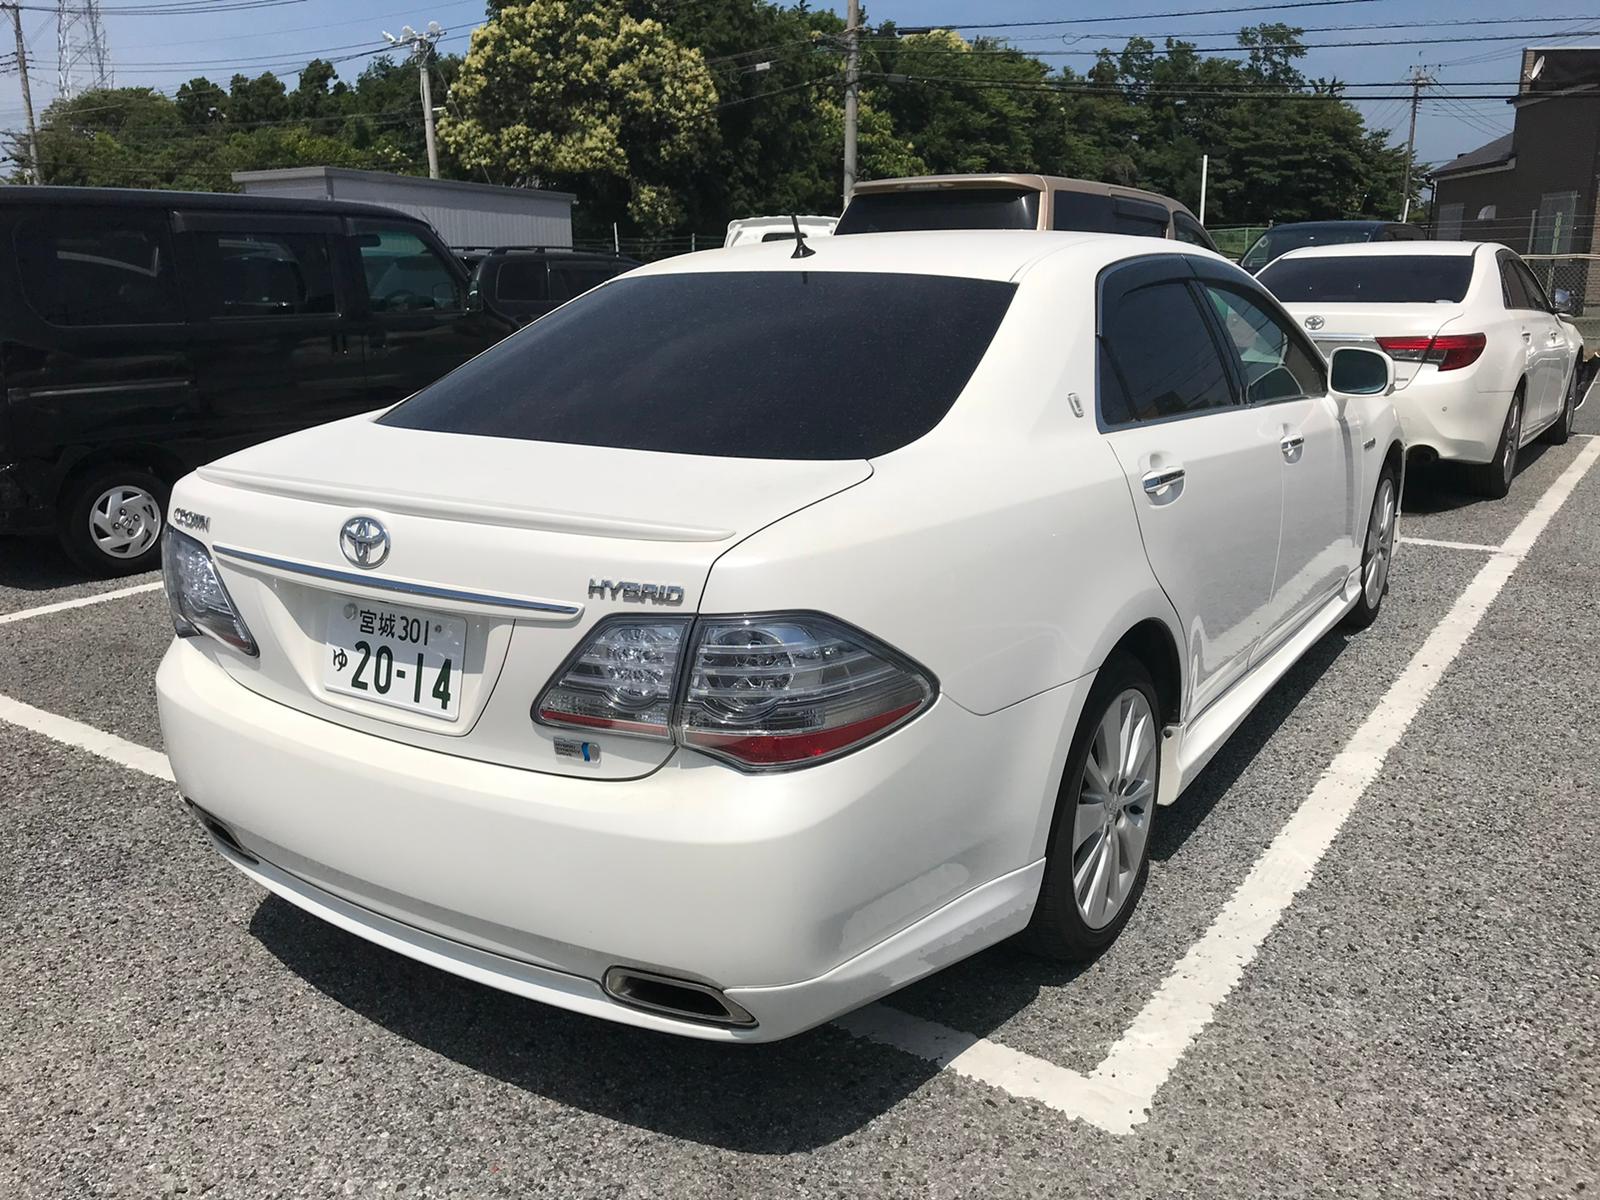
(143, 333)
(522, 283)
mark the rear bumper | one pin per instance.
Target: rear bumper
(800, 895)
(1450, 417)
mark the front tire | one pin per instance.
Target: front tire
(1494, 478)
(1377, 552)
(1098, 855)
(111, 520)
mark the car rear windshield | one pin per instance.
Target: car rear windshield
(1285, 238)
(769, 364)
(946, 208)
(1370, 279)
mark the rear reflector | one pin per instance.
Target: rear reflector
(1448, 351)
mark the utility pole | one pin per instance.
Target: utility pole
(852, 92)
(35, 169)
(1419, 79)
(421, 45)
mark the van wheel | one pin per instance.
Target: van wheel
(111, 520)
(1494, 477)
(1098, 853)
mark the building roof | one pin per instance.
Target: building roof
(1491, 154)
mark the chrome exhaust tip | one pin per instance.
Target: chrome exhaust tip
(219, 832)
(680, 998)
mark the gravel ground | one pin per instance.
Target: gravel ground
(1421, 1022)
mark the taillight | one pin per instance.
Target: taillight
(623, 678)
(764, 691)
(1448, 351)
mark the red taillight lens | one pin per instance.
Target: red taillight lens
(769, 692)
(764, 692)
(1448, 351)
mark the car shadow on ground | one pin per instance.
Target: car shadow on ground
(775, 1098)
(36, 564)
(1441, 487)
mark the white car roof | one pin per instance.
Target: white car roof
(1387, 250)
(1000, 254)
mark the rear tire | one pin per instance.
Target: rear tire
(1377, 552)
(1098, 854)
(111, 520)
(1558, 433)
(1493, 478)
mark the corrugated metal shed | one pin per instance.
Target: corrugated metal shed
(465, 214)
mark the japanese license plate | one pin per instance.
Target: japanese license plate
(398, 656)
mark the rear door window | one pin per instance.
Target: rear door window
(1274, 362)
(1531, 287)
(260, 274)
(98, 267)
(1513, 291)
(522, 280)
(1161, 355)
(758, 364)
(1090, 212)
(1369, 279)
(948, 208)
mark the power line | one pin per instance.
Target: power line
(1193, 12)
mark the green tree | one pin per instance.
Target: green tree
(257, 101)
(584, 96)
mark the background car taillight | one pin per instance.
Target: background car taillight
(1448, 351)
(763, 691)
(195, 593)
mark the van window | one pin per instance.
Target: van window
(1162, 357)
(1090, 212)
(574, 279)
(521, 279)
(92, 267)
(403, 272)
(759, 364)
(267, 274)
(944, 208)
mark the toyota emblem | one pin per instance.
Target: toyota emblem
(365, 542)
(1315, 322)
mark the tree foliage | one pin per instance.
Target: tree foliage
(669, 116)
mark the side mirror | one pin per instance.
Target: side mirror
(1357, 371)
(1561, 300)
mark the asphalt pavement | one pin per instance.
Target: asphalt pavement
(1419, 1020)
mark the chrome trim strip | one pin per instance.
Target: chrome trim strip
(395, 585)
(97, 389)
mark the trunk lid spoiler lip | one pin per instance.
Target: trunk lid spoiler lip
(444, 508)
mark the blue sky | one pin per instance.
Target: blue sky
(163, 51)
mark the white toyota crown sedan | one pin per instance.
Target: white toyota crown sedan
(1484, 362)
(758, 633)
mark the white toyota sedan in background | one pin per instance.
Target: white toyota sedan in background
(758, 633)
(1484, 362)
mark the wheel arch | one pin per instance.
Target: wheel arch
(1152, 644)
(146, 456)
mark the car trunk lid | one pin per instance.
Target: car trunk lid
(1335, 325)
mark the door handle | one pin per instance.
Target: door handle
(1291, 443)
(1156, 482)
(1526, 336)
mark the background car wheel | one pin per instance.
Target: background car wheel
(1494, 477)
(112, 518)
(1097, 858)
(1558, 433)
(1377, 553)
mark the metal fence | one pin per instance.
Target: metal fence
(1579, 276)
(648, 249)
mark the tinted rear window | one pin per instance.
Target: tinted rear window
(1386, 279)
(1087, 212)
(947, 208)
(1297, 237)
(783, 364)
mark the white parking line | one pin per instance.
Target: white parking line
(1116, 1096)
(1411, 541)
(1118, 1093)
(86, 737)
(28, 614)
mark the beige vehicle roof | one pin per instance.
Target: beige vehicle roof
(1058, 183)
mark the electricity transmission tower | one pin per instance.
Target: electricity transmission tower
(83, 57)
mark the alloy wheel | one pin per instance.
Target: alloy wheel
(1508, 457)
(124, 522)
(1380, 543)
(1112, 820)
